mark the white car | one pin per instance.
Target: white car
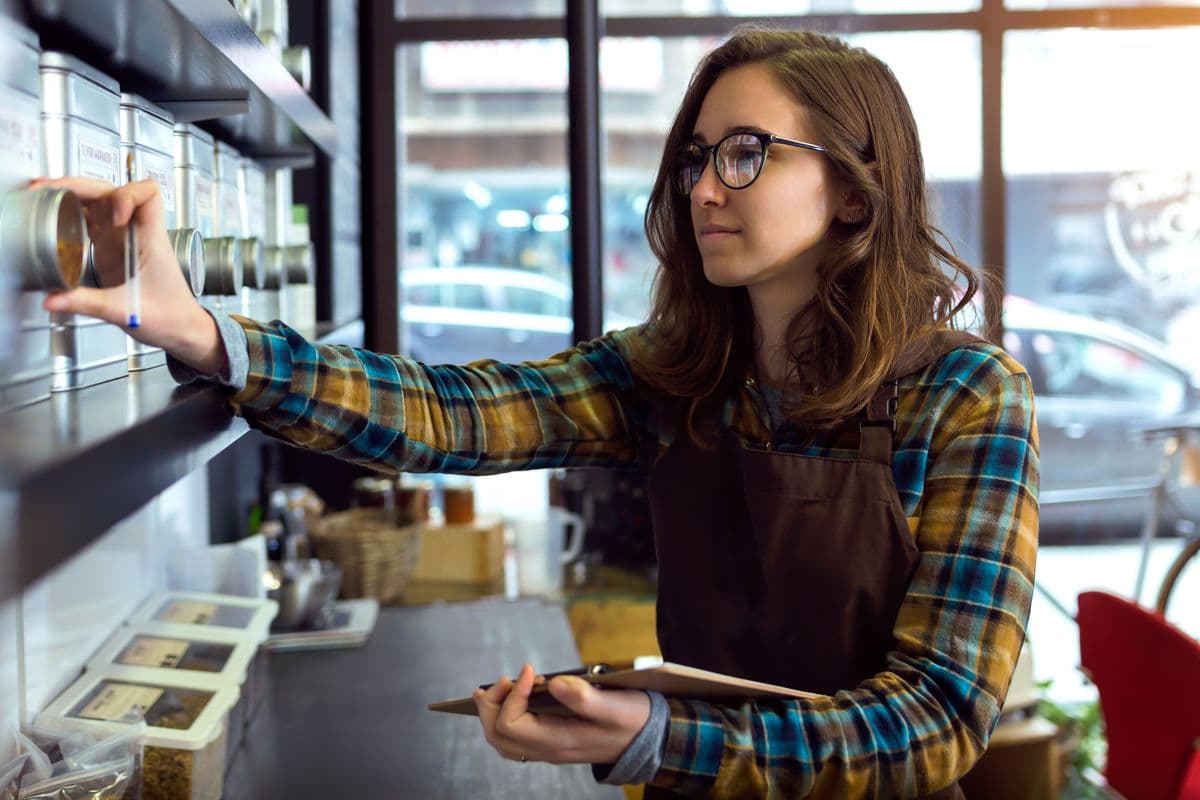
(452, 315)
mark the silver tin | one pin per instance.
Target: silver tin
(261, 301)
(24, 332)
(195, 186)
(193, 150)
(150, 132)
(147, 132)
(81, 128)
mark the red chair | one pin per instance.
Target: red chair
(1148, 674)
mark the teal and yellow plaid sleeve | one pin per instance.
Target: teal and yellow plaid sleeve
(577, 408)
(967, 468)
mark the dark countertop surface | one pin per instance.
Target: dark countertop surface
(354, 724)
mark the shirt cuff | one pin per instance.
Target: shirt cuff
(237, 353)
(644, 755)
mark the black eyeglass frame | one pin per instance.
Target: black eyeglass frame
(710, 150)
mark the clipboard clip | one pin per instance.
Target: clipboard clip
(584, 671)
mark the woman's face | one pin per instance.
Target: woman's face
(770, 236)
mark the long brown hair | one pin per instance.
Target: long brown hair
(882, 286)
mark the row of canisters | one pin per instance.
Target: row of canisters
(228, 218)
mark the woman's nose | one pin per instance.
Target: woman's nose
(708, 189)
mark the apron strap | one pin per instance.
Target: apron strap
(878, 423)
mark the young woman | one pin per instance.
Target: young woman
(843, 489)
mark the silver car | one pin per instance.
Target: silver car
(1097, 384)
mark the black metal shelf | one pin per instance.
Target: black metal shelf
(74, 465)
(201, 61)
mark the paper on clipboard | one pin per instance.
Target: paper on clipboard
(672, 680)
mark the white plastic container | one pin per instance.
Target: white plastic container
(81, 109)
(248, 615)
(43, 236)
(243, 616)
(195, 193)
(187, 718)
(200, 651)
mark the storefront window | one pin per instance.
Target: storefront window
(479, 8)
(1103, 190)
(751, 8)
(485, 233)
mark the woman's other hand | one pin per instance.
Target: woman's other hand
(606, 720)
(171, 318)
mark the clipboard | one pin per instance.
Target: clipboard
(672, 680)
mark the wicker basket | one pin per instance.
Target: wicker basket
(377, 557)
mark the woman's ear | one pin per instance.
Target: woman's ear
(853, 207)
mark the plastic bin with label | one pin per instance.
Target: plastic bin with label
(186, 721)
(248, 616)
(191, 650)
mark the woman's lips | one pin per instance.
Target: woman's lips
(712, 233)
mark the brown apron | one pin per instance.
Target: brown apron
(785, 568)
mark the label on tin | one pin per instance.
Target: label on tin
(204, 204)
(152, 651)
(231, 211)
(121, 702)
(99, 160)
(20, 139)
(159, 168)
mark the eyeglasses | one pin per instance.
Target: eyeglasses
(739, 158)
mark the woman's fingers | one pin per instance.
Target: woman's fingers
(84, 188)
(516, 704)
(143, 197)
(89, 302)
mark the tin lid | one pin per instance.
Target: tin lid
(55, 61)
(193, 147)
(181, 712)
(136, 101)
(19, 55)
(144, 124)
(228, 162)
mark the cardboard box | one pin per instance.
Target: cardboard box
(471, 553)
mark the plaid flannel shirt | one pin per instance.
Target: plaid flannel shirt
(965, 463)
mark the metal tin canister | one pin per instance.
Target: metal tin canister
(43, 233)
(233, 220)
(195, 194)
(81, 109)
(290, 253)
(147, 132)
(262, 302)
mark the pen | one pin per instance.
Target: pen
(132, 279)
(584, 671)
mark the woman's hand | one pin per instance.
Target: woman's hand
(171, 318)
(607, 720)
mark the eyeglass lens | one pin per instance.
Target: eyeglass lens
(739, 158)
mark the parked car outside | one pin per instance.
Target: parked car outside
(452, 315)
(1096, 385)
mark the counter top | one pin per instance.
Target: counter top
(353, 723)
